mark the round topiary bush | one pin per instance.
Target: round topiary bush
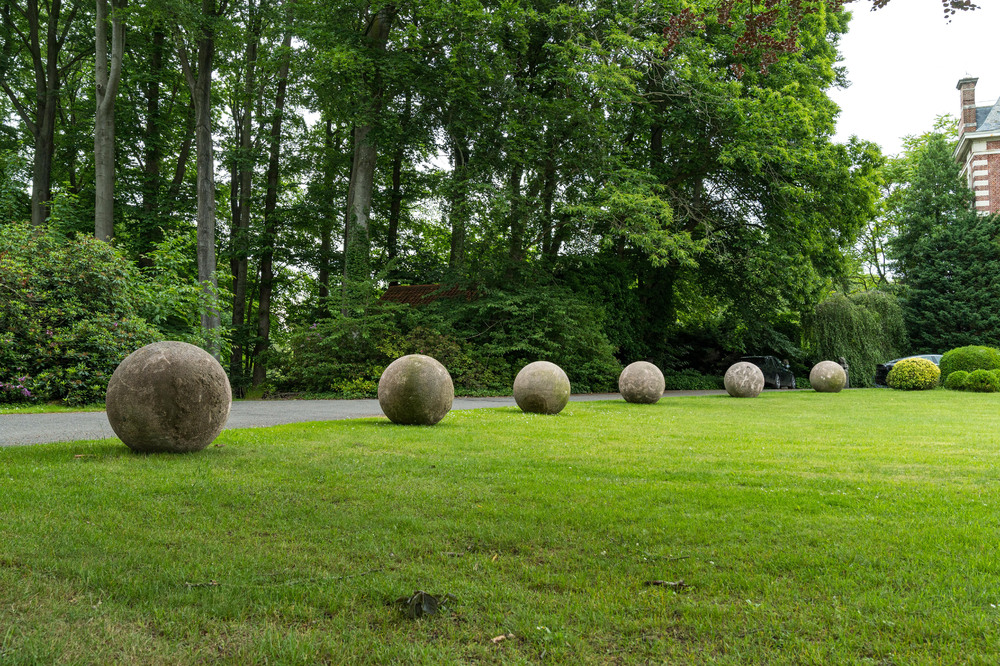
(956, 380)
(415, 390)
(914, 374)
(973, 357)
(827, 377)
(541, 388)
(168, 397)
(641, 382)
(744, 380)
(982, 381)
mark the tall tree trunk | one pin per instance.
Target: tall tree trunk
(200, 84)
(241, 211)
(515, 249)
(152, 150)
(38, 111)
(271, 220)
(396, 196)
(357, 244)
(106, 86)
(326, 222)
(459, 204)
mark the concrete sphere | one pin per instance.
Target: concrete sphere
(541, 388)
(744, 380)
(827, 377)
(415, 390)
(168, 397)
(641, 382)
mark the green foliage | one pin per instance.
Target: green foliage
(956, 380)
(969, 358)
(68, 315)
(982, 381)
(483, 342)
(691, 380)
(914, 374)
(865, 328)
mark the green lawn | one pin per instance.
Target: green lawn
(35, 408)
(854, 528)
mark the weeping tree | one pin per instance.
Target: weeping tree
(865, 328)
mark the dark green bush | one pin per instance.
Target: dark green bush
(483, 342)
(914, 374)
(68, 315)
(970, 358)
(691, 380)
(982, 381)
(956, 380)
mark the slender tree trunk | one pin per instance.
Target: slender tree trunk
(459, 204)
(357, 243)
(183, 156)
(326, 223)
(270, 221)
(241, 212)
(152, 151)
(396, 196)
(515, 249)
(106, 85)
(201, 94)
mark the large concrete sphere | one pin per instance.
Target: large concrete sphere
(415, 390)
(744, 380)
(641, 382)
(541, 388)
(168, 397)
(827, 377)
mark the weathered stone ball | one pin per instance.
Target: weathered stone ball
(168, 397)
(641, 382)
(415, 390)
(541, 388)
(828, 377)
(744, 380)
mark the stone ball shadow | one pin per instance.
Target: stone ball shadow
(168, 397)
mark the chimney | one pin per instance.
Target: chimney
(967, 92)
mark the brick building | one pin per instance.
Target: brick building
(978, 149)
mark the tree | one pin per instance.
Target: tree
(107, 78)
(947, 256)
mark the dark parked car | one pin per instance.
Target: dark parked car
(776, 373)
(882, 370)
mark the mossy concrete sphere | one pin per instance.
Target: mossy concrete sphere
(168, 397)
(828, 377)
(541, 388)
(415, 390)
(641, 382)
(744, 380)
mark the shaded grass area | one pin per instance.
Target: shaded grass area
(860, 527)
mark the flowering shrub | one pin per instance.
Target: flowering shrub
(67, 315)
(914, 374)
(982, 381)
(956, 380)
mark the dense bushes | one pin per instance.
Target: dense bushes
(982, 381)
(956, 380)
(691, 380)
(914, 374)
(865, 328)
(970, 358)
(483, 342)
(68, 315)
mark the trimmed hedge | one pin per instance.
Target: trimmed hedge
(956, 380)
(982, 381)
(914, 374)
(970, 358)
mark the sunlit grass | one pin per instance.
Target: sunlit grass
(46, 408)
(852, 528)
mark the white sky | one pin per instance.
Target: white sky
(903, 62)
